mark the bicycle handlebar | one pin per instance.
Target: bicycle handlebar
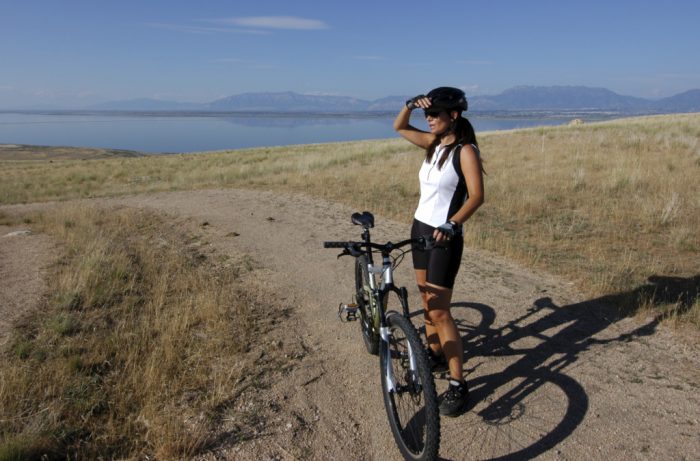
(425, 241)
(336, 244)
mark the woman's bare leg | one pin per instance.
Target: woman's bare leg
(431, 333)
(440, 328)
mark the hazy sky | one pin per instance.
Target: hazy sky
(74, 53)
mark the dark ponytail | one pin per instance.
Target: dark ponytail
(464, 134)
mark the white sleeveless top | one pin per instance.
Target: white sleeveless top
(442, 190)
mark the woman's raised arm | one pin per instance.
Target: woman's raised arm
(407, 131)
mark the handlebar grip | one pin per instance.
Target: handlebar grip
(429, 242)
(335, 244)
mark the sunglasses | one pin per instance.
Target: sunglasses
(432, 113)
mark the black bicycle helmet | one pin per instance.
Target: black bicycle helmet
(448, 98)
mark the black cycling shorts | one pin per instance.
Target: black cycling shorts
(441, 263)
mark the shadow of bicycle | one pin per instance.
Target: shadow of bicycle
(523, 404)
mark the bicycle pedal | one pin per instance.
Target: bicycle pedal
(349, 310)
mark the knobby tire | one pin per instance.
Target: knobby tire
(413, 407)
(369, 335)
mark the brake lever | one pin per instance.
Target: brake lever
(350, 251)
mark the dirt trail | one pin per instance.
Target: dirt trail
(552, 375)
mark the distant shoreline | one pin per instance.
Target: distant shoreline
(25, 152)
(263, 130)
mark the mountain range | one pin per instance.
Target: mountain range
(521, 98)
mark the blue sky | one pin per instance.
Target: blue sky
(74, 53)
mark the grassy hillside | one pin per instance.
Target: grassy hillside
(606, 205)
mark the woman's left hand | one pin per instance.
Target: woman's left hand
(445, 231)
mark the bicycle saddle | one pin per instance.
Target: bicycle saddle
(364, 219)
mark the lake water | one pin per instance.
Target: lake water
(182, 132)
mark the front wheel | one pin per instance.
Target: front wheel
(409, 391)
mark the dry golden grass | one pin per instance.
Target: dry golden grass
(606, 205)
(138, 351)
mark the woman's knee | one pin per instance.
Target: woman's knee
(438, 316)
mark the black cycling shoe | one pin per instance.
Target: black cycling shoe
(454, 401)
(438, 363)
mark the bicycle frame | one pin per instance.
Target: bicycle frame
(386, 272)
(379, 293)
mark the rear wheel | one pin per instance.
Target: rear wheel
(364, 300)
(409, 391)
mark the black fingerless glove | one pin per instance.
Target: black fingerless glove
(450, 228)
(411, 103)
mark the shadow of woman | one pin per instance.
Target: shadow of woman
(530, 405)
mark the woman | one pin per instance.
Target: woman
(451, 185)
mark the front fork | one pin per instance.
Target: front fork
(385, 334)
(389, 370)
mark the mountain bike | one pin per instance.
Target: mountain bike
(408, 387)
